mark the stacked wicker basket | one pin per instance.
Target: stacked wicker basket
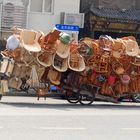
(112, 64)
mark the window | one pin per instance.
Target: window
(41, 6)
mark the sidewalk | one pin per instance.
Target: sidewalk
(30, 93)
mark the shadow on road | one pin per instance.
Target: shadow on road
(63, 106)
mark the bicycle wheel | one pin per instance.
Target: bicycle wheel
(86, 98)
(72, 97)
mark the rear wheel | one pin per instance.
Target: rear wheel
(87, 94)
(72, 97)
(136, 98)
(86, 97)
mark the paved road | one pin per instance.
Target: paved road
(25, 118)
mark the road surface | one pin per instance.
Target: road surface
(25, 118)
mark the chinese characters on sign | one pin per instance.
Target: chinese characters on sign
(67, 27)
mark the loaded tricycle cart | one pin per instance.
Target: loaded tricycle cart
(82, 70)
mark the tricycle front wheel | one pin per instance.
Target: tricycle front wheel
(86, 99)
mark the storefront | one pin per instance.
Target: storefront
(116, 22)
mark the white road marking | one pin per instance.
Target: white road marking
(61, 128)
(1, 127)
(131, 129)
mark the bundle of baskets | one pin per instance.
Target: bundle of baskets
(112, 64)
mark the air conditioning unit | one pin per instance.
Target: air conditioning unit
(13, 14)
(73, 19)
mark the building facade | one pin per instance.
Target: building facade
(34, 14)
(116, 18)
